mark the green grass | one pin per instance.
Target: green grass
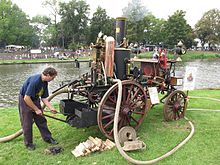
(190, 55)
(159, 136)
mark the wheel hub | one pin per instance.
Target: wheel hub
(176, 107)
(126, 111)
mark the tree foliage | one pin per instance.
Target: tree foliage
(70, 26)
(52, 32)
(152, 29)
(176, 29)
(74, 21)
(208, 27)
(101, 22)
(40, 23)
(53, 7)
(15, 27)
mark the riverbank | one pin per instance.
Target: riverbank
(48, 60)
(189, 56)
(158, 135)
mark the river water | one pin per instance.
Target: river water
(13, 76)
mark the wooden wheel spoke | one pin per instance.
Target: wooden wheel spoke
(170, 114)
(109, 123)
(170, 107)
(134, 101)
(139, 105)
(171, 102)
(129, 93)
(175, 97)
(178, 114)
(120, 123)
(135, 94)
(138, 113)
(111, 132)
(112, 99)
(182, 103)
(108, 116)
(134, 119)
(124, 95)
(108, 108)
(180, 97)
(128, 119)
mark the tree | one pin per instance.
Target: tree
(15, 27)
(49, 36)
(101, 22)
(74, 21)
(176, 29)
(153, 29)
(134, 12)
(53, 6)
(207, 28)
(40, 23)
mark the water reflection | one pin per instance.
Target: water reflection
(208, 74)
(12, 77)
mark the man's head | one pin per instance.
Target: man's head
(49, 74)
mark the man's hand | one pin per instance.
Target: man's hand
(39, 112)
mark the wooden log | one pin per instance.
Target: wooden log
(99, 142)
(95, 141)
(110, 143)
(77, 153)
(92, 145)
(89, 144)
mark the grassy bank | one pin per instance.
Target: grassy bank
(159, 136)
(190, 55)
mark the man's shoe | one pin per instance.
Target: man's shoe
(51, 141)
(30, 147)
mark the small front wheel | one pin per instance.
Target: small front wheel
(175, 106)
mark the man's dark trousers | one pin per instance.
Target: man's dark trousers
(27, 117)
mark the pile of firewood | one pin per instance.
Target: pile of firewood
(92, 145)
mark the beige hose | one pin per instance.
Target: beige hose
(63, 90)
(116, 138)
(20, 132)
(207, 98)
(10, 137)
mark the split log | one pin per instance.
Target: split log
(92, 145)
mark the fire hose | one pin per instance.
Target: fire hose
(116, 137)
(118, 145)
(20, 132)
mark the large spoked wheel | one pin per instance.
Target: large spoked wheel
(133, 108)
(175, 106)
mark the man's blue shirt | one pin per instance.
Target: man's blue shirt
(35, 87)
